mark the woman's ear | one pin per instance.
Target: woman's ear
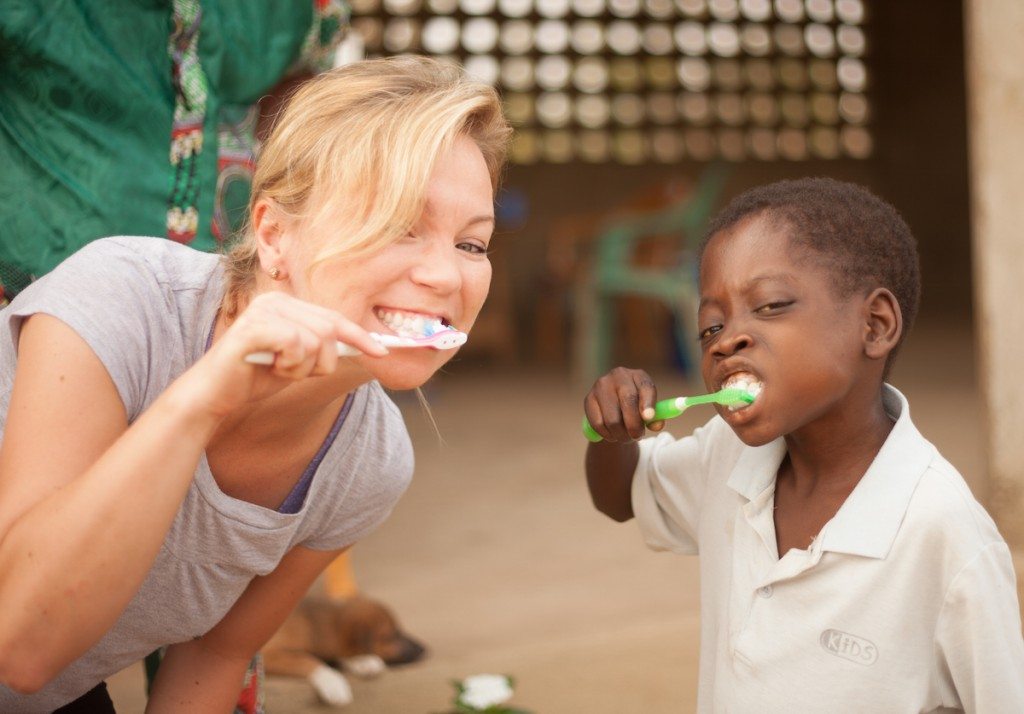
(883, 325)
(268, 224)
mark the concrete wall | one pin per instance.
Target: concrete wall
(917, 89)
(993, 31)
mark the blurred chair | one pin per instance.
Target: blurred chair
(615, 273)
(568, 253)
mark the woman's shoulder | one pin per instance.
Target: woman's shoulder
(143, 305)
(167, 262)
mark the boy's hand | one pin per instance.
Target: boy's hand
(620, 403)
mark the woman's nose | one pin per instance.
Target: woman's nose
(438, 268)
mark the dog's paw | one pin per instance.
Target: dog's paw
(364, 666)
(331, 686)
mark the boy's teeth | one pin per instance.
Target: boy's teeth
(745, 382)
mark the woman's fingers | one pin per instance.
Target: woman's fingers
(352, 334)
(313, 336)
(332, 325)
(321, 339)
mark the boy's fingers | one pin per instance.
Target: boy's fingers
(632, 422)
(592, 410)
(647, 393)
(656, 425)
(611, 417)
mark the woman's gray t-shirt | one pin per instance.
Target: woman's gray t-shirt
(146, 307)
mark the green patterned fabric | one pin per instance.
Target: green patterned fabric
(91, 92)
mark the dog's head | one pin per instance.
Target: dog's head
(365, 626)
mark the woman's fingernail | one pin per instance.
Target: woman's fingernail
(647, 414)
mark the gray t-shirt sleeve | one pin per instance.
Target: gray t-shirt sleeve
(381, 461)
(114, 301)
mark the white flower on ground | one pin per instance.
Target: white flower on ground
(485, 690)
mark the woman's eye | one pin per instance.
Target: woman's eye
(472, 248)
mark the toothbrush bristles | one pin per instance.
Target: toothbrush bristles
(735, 396)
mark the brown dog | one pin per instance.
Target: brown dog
(359, 635)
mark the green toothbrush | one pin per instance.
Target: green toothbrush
(670, 408)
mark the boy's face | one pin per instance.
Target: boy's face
(769, 314)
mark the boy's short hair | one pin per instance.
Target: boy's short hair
(862, 240)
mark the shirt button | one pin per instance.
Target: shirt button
(765, 592)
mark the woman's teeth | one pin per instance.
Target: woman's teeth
(406, 324)
(746, 382)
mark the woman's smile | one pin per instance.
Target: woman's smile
(411, 323)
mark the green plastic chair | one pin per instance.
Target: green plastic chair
(614, 274)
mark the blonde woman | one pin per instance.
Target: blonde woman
(155, 488)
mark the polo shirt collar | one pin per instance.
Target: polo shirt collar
(868, 521)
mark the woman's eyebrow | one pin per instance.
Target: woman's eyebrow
(484, 218)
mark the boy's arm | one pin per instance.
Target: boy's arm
(610, 470)
(616, 407)
(979, 635)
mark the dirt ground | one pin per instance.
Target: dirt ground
(497, 561)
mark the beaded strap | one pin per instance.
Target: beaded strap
(190, 95)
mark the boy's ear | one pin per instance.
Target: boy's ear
(883, 323)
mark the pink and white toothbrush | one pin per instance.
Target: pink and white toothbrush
(446, 338)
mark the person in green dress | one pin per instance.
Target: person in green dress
(137, 117)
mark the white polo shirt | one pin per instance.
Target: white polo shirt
(905, 602)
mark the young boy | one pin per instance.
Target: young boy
(846, 566)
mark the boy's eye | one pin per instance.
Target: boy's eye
(708, 332)
(769, 308)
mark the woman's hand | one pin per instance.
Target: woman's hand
(302, 336)
(620, 403)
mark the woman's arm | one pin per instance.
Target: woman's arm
(205, 674)
(84, 501)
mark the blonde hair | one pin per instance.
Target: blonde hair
(366, 137)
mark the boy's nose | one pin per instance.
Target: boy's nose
(438, 268)
(732, 342)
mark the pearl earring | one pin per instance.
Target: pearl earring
(275, 273)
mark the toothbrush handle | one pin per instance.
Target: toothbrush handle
(669, 408)
(588, 431)
(267, 358)
(665, 409)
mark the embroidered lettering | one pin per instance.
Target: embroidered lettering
(849, 647)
